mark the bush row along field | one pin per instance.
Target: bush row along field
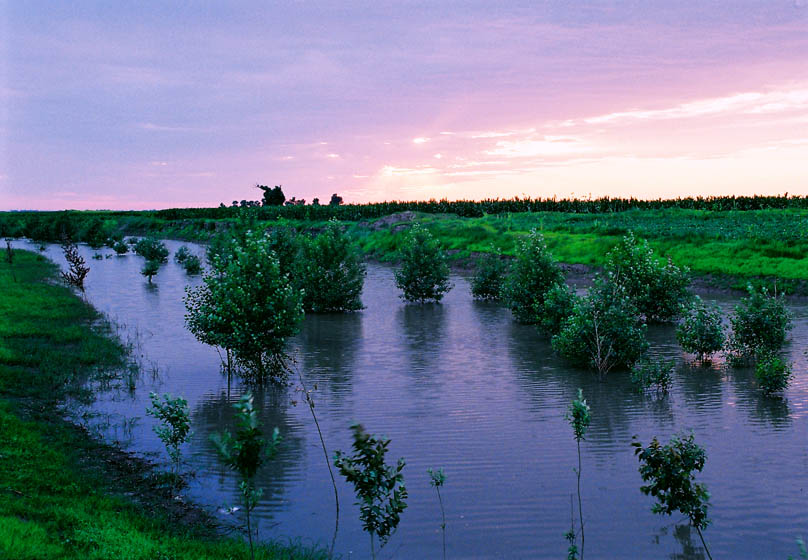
(476, 209)
(59, 496)
(743, 244)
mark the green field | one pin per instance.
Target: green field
(63, 494)
(733, 247)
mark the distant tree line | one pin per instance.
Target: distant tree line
(471, 208)
(95, 227)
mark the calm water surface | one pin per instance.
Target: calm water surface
(461, 386)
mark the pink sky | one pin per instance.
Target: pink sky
(160, 106)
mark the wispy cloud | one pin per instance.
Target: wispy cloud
(775, 101)
(546, 146)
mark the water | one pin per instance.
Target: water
(461, 386)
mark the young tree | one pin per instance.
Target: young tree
(558, 304)
(701, 332)
(192, 265)
(248, 307)
(77, 269)
(187, 260)
(182, 255)
(424, 273)
(489, 277)
(604, 330)
(760, 324)
(656, 375)
(660, 291)
(152, 249)
(772, 373)
(579, 418)
(533, 273)
(150, 268)
(174, 428)
(120, 248)
(273, 196)
(330, 271)
(379, 488)
(668, 469)
(437, 479)
(307, 394)
(245, 453)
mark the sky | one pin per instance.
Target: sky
(137, 105)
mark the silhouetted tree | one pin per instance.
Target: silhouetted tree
(273, 196)
(336, 200)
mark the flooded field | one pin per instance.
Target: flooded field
(460, 385)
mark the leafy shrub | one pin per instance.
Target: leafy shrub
(120, 248)
(330, 271)
(424, 273)
(379, 488)
(701, 332)
(533, 273)
(182, 255)
(192, 265)
(604, 330)
(285, 243)
(772, 373)
(152, 249)
(655, 375)
(187, 260)
(558, 304)
(668, 469)
(489, 277)
(659, 291)
(760, 324)
(248, 307)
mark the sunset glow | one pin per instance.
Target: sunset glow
(160, 105)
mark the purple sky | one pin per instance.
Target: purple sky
(157, 104)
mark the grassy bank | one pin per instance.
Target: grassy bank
(733, 246)
(63, 494)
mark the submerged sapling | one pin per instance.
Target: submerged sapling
(245, 453)
(379, 487)
(579, 418)
(436, 480)
(174, 428)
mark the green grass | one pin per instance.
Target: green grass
(739, 246)
(734, 245)
(62, 493)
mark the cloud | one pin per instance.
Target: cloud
(780, 100)
(547, 146)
